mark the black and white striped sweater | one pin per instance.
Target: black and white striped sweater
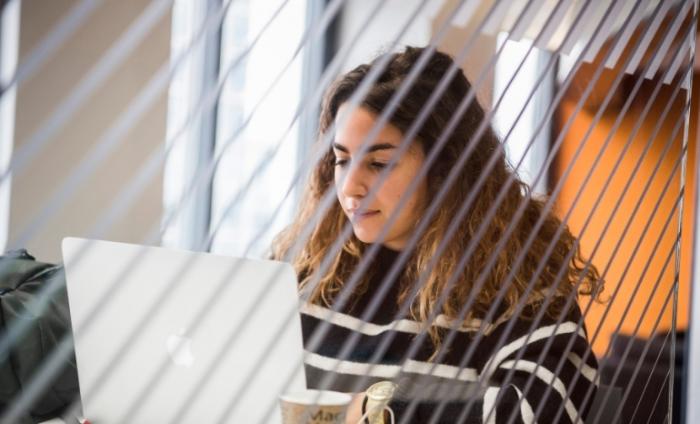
(448, 389)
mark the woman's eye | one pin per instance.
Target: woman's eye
(340, 162)
(379, 165)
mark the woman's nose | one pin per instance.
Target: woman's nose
(354, 182)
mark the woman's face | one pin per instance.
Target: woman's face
(355, 177)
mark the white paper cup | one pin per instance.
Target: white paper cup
(314, 407)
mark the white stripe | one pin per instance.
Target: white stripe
(348, 367)
(586, 370)
(489, 404)
(548, 378)
(389, 371)
(526, 412)
(539, 334)
(441, 370)
(370, 329)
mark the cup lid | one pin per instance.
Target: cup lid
(317, 397)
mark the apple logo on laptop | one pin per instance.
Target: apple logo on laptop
(179, 348)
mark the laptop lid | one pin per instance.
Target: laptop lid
(165, 335)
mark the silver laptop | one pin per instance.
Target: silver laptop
(173, 336)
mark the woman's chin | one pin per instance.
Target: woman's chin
(365, 236)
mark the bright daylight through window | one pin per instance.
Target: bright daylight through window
(256, 143)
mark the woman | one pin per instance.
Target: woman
(363, 343)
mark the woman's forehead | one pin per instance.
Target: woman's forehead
(353, 125)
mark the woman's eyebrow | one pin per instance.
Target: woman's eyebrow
(373, 148)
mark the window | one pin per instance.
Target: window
(9, 43)
(534, 112)
(251, 183)
(253, 139)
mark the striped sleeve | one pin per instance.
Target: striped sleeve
(528, 387)
(541, 376)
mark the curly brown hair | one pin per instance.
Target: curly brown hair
(307, 261)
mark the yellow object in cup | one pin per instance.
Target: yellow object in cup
(314, 407)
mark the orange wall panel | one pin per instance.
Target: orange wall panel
(622, 243)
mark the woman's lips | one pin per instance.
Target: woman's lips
(357, 216)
